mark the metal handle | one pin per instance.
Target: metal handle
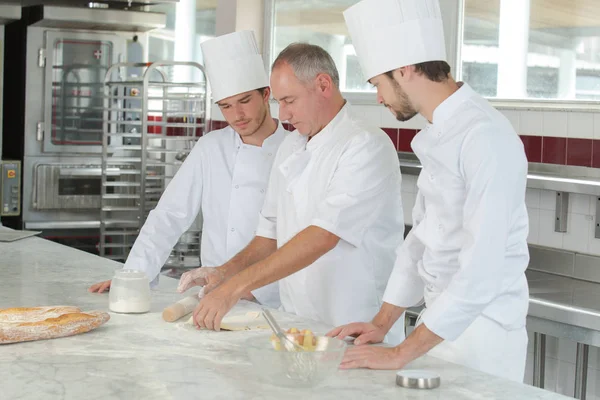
(288, 344)
(87, 171)
(272, 323)
(39, 131)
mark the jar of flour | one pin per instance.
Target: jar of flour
(129, 292)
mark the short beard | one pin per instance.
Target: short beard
(407, 110)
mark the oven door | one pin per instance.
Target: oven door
(68, 187)
(76, 66)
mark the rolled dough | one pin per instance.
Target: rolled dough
(249, 321)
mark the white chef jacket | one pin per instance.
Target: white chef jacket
(346, 180)
(227, 180)
(467, 251)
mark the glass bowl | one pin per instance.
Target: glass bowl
(295, 369)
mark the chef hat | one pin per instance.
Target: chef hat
(233, 64)
(390, 34)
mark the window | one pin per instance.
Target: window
(319, 22)
(532, 49)
(511, 49)
(161, 42)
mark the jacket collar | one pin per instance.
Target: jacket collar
(270, 142)
(448, 108)
(328, 133)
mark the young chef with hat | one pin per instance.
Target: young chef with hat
(332, 217)
(467, 251)
(226, 173)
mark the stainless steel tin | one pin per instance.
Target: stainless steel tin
(418, 379)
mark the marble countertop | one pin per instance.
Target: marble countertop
(143, 357)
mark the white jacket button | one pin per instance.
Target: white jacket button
(237, 186)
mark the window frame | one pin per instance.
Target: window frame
(454, 16)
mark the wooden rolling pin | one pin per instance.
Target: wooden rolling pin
(180, 309)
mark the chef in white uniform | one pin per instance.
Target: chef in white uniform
(466, 254)
(333, 213)
(226, 174)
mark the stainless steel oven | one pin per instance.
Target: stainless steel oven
(60, 52)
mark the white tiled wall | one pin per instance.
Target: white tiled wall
(541, 206)
(581, 125)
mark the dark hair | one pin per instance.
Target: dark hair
(262, 90)
(436, 71)
(308, 61)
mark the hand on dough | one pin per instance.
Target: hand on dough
(214, 306)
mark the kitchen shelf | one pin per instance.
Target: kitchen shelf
(150, 155)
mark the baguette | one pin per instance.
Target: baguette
(40, 323)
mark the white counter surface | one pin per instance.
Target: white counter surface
(143, 357)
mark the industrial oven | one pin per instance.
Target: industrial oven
(60, 52)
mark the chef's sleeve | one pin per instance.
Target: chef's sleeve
(367, 173)
(494, 168)
(267, 218)
(174, 214)
(405, 287)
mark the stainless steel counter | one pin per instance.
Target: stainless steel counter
(564, 300)
(566, 308)
(561, 178)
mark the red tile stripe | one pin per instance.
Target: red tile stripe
(562, 151)
(539, 149)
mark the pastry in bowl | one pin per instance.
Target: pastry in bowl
(305, 339)
(319, 361)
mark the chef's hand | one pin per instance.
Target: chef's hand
(364, 332)
(99, 287)
(214, 306)
(209, 277)
(372, 357)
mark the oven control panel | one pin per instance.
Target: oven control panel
(10, 188)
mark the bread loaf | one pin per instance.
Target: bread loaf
(39, 323)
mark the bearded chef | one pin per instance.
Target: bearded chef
(226, 174)
(332, 217)
(466, 254)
